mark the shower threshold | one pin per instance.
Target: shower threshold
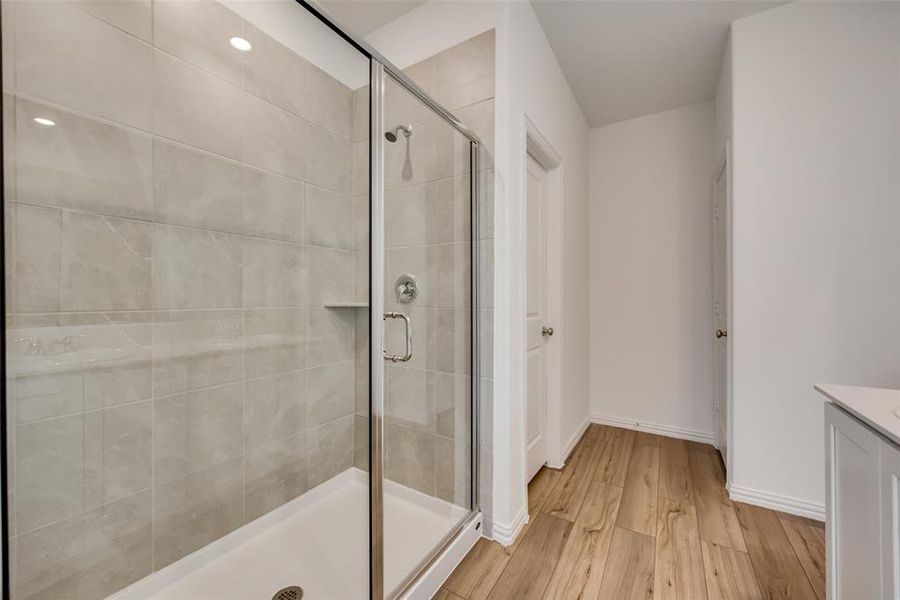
(319, 541)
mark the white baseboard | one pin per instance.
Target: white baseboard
(570, 445)
(506, 534)
(792, 506)
(704, 437)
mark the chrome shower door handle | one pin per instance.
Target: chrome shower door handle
(400, 357)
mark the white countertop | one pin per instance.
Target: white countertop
(874, 406)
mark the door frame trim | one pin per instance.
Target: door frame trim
(542, 151)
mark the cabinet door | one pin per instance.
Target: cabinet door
(854, 508)
(890, 519)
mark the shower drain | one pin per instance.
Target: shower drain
(291, 592)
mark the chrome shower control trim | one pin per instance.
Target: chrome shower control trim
(400, 357)
(407, 288)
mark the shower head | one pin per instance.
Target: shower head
(391, 135)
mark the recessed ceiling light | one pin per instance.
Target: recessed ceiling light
(241, 44)
(44, 121)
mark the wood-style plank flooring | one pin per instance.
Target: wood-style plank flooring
(634, 515)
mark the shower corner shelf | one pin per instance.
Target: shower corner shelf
(346, 305)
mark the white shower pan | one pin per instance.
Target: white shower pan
(319, 541)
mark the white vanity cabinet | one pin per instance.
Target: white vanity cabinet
(853, 519)
(862, 438)
(890, 523)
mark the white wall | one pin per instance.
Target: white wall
(723, 101)
(651, 274)
(816, 230)
(529, 84)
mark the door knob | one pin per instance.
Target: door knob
(721, 334)
(546, 331)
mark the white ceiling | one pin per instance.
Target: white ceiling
(628, 58)
(622, 58)
(365, 16)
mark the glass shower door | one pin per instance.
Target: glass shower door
(185, 208)
(428, 325)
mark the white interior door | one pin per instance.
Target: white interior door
(536, 306)
(720, 307)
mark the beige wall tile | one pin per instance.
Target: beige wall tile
(361, 168)
(117, 452)
(449, 340)
(480, 118)
(361, 442)
(410, 458)
(222, 270)
(330, 102)
(197, 31)
(275, 473)
(453, 274)
(452, 208)
(452, 397)
(452, 462)
(45, 396)
(410, 214)
(276, 340)
(330, 219)
(131, 16)
(196, 430)
(329, 449)
(361, 373)
(275, 408)
(197, 349)
(196, 510)
(177, 267)
(363, 266)
(8, 48)
(82, 163)
(37, 263)
(401, 107)
(196, 188)
(49, 471)
(330, 392)
(330, 161)
(105, 263)
(196, 108)
(275, 139)
(88, 556)
(274, 273)
(466, 72)
(407, 401)
(111, 386)
(331, 275)
(331, 333)
(361, 114)
(70, 58)
(274, 73)
(362, 224)
(274, 206)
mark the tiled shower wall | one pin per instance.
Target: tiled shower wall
(171, 244)
(427, 235)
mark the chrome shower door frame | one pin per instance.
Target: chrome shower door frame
(380, 70)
